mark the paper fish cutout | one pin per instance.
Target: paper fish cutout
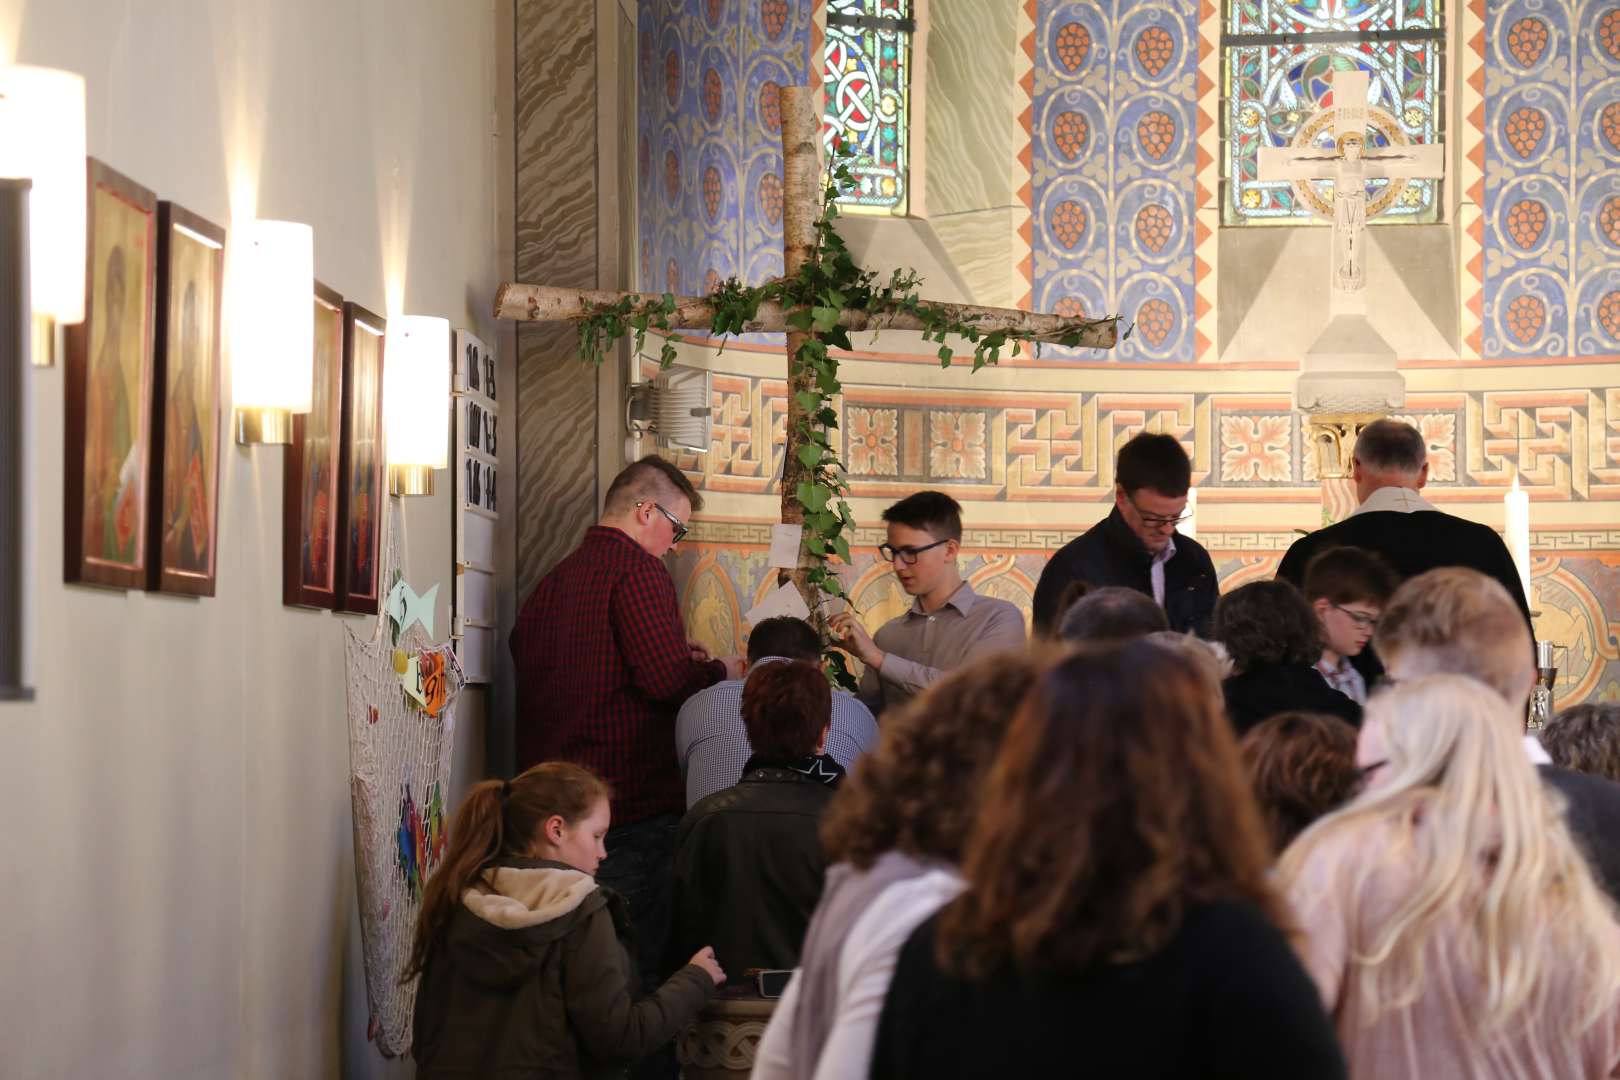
(404, 606)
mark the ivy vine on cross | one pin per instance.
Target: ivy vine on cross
(820, 299)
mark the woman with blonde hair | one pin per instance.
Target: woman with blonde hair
(1449, 921)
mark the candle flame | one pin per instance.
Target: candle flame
(1515, 483)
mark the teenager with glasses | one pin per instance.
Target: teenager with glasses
(947, 625)
(603, 664)
(1136, 546)
(1347, 588)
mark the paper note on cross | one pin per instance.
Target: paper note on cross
(785, 541)
(1349, 163)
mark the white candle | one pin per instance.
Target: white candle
(1189, 527)
(1517, 503)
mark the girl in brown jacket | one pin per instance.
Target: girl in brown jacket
(523, 958)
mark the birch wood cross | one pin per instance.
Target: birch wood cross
(801, 166)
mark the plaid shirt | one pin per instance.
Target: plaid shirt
(602, 666)
(1345, 679)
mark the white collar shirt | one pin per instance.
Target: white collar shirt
(1156, 573)
(1399, 499)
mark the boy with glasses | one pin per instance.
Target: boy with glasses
(1347, 588)
(1136, 546)
(948, 624)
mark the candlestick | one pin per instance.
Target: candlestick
(1517, 504)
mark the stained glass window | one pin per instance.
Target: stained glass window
(1279, 57)
(866, 78)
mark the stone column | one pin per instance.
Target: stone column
(1332, 438)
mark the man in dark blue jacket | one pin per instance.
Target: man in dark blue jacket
(1136, 546)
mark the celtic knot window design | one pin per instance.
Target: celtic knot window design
(866, 78)
(1279, 57)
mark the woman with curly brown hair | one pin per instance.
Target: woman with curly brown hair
(1118, 919)
(896, 832)
(1303, 765)
(1275, 642)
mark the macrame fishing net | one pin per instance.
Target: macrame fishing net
(399, 757)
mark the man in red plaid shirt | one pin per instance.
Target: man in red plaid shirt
(603, 665)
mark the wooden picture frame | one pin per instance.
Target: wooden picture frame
(183, 521)
(309, 501)
(363, 462)
(107, 427)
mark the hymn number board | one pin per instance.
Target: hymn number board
(476, 471)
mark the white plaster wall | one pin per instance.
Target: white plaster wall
(176, 871)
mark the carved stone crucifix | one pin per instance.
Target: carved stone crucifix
(1350, 164)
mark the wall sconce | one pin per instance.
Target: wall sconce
(272, 329)
(416, 401)
(42, 139)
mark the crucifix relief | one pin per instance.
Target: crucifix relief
(1349, 370)
(1349, 163)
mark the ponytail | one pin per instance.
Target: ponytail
(498, 819)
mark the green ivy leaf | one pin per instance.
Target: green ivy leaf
(808, 400)
(945, 356)
(810, 455)
(816, 545)
(841, 546)
(824, 318)
(813, 497)
(799, 320)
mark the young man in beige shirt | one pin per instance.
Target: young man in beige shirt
(948, 624)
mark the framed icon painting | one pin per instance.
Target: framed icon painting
(107, 429)
(184, 515)
(310, 494)
(362, 466)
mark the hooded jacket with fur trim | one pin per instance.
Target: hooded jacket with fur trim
(534, 979)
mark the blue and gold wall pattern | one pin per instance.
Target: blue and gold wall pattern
(709, 130)
(1113, 151)
(1552, 178)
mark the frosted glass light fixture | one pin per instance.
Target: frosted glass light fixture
(42, 139)
(416, 401)
(272, 329)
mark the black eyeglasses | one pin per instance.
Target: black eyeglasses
(907, 555)
(1360, 618)
(1154, 521)
(674, 522)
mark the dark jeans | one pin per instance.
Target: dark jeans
(640, 866)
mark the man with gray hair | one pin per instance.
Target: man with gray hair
(1390, 466)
